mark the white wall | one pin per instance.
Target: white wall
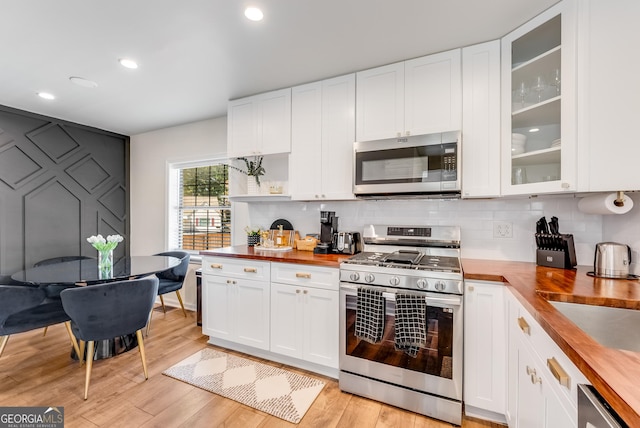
(151, 153)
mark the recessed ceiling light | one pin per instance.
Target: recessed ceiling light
(129, 63)
(46, 96)
(253, 13)
(534, 130)
(80, 81)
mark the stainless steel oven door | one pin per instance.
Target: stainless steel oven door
(437, 369)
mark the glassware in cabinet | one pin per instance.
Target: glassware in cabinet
(534, 76)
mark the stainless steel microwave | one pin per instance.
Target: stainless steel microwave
(421, 165)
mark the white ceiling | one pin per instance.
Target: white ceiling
(194, 55)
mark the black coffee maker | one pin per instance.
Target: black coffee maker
(328, 225)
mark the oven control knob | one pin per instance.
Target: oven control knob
(394, 280)
(422, 283)
(440, 285)
(369, 277)
(354, 276)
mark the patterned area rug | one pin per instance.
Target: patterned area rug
(272, 390)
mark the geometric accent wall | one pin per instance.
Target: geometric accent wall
(60, 183)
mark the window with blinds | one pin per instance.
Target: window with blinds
(204, 210)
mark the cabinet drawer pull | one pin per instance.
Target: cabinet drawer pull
(558, 372)
(216, 266)
(533, 375)
(303, 275)
(251, 270)
(524, 326)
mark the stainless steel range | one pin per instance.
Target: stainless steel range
(401, 319)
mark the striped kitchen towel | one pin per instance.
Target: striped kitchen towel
(370, 315)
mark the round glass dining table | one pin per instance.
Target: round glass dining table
(85, 273)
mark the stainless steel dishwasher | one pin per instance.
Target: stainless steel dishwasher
(594, 411)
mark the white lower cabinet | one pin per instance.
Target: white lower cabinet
(235, 300)
(485, 339)
(542, 381)
(304, 313)
(280, 311)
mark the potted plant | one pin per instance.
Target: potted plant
(253, 235)
(253, 168)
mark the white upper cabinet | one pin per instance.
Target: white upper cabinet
(539, 104)
(481, 120)
(380, 102)
(322, 136)
(419, 96)
(305, 162)
(433, 94)
(609, 90)
(260, 124)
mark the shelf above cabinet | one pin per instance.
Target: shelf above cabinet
(538, 157)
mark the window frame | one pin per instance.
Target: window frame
(173, 201)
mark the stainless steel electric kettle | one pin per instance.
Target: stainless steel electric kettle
(612, 260)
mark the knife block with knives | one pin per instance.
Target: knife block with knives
(554, 249)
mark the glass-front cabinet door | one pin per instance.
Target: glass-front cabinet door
(538, 104)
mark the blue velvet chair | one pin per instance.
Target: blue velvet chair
(104, 311)
(24, 308)
(173, 279)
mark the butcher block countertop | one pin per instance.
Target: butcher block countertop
(292, 256)
(615, 373)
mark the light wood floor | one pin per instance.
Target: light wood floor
(37, 371)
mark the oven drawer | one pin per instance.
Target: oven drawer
(305, 275)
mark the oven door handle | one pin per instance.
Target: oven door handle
(456, 301)
(352, 290)
(391, 295)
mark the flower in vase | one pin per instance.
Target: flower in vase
(101, 244)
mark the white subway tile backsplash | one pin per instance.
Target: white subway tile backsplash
(475, 218)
